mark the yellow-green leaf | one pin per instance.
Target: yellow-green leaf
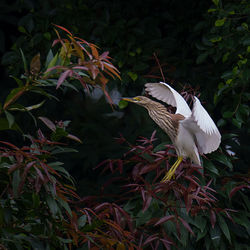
(220, 22)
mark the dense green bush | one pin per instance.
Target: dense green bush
(200, 47)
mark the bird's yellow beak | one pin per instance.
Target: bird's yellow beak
(128, 99)
(131, 99)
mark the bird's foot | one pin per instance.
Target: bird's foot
(168, 176)
(171, 171)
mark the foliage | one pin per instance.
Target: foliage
(39, 204)
(190, 211)
(198, 44)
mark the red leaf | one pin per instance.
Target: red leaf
(63, 76)
(150, 239)
(212, 218)
(73, 137)
(164, 219)
(62, 28)
(48, 123)
(147, 203)
(186, 225)
(234, 190)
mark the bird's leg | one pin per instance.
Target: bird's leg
(171, 172)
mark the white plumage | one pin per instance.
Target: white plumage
(197, 122)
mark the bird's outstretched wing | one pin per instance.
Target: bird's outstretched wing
(203, 127)
(163, 92)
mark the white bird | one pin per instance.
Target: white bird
(191, 132)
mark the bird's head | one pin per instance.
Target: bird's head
(140, 100)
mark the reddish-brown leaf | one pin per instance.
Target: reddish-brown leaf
(212, 218)
(48, 123)
(164, 219)
(234, 190)
(63, 76)
(63, 29)
(186, 225)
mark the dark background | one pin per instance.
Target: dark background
(177, 32)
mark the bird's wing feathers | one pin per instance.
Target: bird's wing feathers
(197, 121)
(201, 124)
(163, 92)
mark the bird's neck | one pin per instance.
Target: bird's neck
(163, 119)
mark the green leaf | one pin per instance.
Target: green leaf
(220, 22)
(47, 35)
(245, 26)
(224, 227)
(22, 29)
(58, 134)
(122, 104)
(225, 57)
(201, 234)
(211, 10)
(201, 58)
(132, 75)
(82, 221)
(215, 236)
(237, 123)
(15, 182)
(244, 109)
(216, 39)
(13, 93)
(221, 123)
(52, 62)
(10, 118)
(24, 61)
(210, 166)
(64, 204)
(216, 2)
(4, 125)
(222, 159)
(35, 200)
(35, 106)
(19, 82)
(227, 114)
(52, 204)
(200, 222)
(49, 58)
